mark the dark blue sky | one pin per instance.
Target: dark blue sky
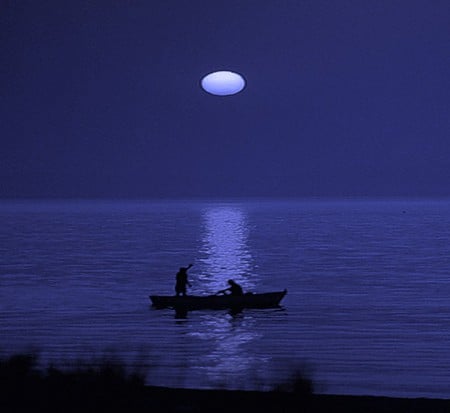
(344, 98)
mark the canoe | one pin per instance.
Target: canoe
(196, 302)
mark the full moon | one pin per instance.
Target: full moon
(223, 83)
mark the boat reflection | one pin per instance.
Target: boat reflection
(225, 253)
(230, 359)
(182, 313)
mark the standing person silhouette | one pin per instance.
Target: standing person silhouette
(182, 281)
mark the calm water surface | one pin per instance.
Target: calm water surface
(367, 309)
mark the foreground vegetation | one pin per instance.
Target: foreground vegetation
(24, 386)
(108, 385)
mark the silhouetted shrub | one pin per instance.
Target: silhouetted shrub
(299, 383)
(106, 384)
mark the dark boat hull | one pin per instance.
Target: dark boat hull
(195, 302)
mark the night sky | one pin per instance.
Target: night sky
(102, 99)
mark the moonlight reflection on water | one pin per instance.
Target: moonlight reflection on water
(225, 253)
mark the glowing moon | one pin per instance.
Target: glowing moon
(223, 83)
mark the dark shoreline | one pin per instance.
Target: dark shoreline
(108, 386)
(191, 400)
(176, 400)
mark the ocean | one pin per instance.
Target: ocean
(367, 310)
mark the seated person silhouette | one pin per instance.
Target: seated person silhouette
(233, 289)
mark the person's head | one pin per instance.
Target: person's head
(231, 282)
(183, 269)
